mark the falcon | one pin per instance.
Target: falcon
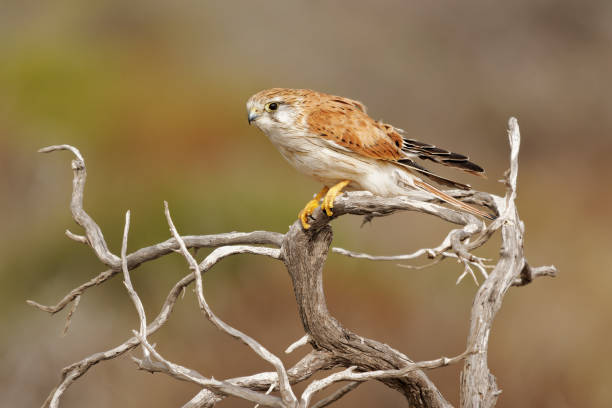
(333, 140)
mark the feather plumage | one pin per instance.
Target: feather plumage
(334, 140)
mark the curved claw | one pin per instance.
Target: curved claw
(335, 191)
(307, 211)
(310, 207)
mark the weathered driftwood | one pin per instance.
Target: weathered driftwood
(304, 253)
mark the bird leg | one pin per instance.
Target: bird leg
(310, 207)
(328, 201)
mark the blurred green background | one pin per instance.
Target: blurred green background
(153, 95)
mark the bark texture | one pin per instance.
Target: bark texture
(304, 254)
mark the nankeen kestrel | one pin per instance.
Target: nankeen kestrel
(332, 139)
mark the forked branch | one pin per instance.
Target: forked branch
(304, 253)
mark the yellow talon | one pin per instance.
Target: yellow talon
(310, 207)
(335, 191)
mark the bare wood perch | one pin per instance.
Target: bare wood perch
(304, 254)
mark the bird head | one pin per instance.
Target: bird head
(276, 109)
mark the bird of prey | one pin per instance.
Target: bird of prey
(333, 140)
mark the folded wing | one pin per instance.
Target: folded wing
(345, 122)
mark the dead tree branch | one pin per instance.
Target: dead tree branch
(288, 398)
(304, 253)
(478, 385)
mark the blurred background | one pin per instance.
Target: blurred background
(153, 94)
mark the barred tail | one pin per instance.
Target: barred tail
(451, 200)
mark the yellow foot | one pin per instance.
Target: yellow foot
(310, 207)
(328, 201)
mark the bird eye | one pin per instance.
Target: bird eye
(272, 106)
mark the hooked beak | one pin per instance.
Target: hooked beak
(253, 115)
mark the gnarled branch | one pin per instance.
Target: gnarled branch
(304, 253)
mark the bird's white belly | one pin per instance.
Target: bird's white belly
(316, 159)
